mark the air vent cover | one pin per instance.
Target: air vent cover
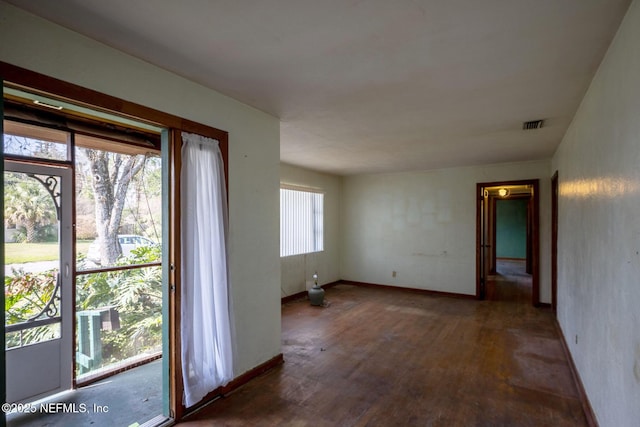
(533, 124)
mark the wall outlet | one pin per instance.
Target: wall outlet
(576, 338)
(393, 274)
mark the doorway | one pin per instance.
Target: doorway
(489, 197)
(38, 295)
(63, 92)
(86, 286)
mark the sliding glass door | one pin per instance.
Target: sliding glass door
(86, 287)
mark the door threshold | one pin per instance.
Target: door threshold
(159, 421)
(116, 368)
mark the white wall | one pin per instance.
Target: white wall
(423, 226)
(254, 156)
(598, 163)
(298, 269)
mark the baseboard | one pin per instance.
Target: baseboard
(234, 384)
(414, 290)
(332, 284)
(303, 294)
(293, 297)
(584, 399)
(252, 373)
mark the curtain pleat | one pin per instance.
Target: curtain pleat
(207, 359)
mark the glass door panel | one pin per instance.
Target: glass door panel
(37, 284)
(119, 296)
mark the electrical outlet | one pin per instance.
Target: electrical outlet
(393, 274)
(576, 338)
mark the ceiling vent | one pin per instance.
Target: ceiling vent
(533, 124)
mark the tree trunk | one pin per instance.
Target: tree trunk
(31, 231)
(110, 183)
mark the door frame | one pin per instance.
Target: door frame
(3, 365)
(554, 242)
(172, 365)
(483, 211)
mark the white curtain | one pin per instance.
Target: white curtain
(205, 308)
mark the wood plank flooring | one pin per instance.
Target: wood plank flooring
(379, 357)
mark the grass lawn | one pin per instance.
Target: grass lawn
(19, 253)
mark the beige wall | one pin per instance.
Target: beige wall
(598, 164)
(254, 152)
(298, 269)
(422, 225)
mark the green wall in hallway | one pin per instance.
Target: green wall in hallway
(511, 228)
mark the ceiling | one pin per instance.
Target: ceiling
(375, 86)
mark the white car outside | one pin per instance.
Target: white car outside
(127, 243)
(131, 241)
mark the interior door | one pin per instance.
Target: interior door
(38, 294)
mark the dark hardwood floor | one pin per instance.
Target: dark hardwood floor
(510, 284)
(380, 357)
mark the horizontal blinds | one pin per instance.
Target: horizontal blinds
(301, 222)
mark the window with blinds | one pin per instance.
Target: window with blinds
(301, 221)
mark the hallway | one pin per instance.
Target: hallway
(511, 283)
